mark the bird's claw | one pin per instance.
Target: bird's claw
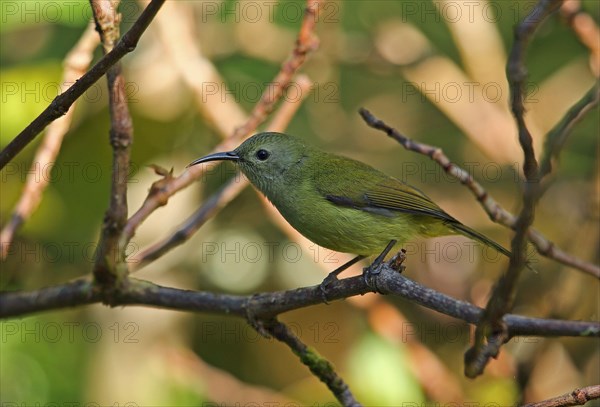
(332, 277)
(327, 281)
(369, 276)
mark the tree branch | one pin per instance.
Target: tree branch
(76, 62)
(306, 42)
(269, 305)
(493, 327)
(176, 28)
(558, 135)
(61, 104)
(185, 231)
(72, 294)
(109, 266)
(517, 74)
(317, 364)
(577, 397)
(491, 332)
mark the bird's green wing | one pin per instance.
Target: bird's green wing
(365, 188)
(394, 195)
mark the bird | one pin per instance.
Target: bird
(339, 203)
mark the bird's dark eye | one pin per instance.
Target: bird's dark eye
(262, 155)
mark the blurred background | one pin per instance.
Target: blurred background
(433, 70)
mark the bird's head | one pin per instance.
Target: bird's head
(265, 158)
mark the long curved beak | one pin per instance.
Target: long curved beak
(227, 156)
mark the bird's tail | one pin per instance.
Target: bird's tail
(467, 231)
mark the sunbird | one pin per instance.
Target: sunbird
(337, 202)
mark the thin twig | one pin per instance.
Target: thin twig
(317, 364)
(305, 43)
(75, 65)
(491, 332)
(517, 74)
(268, 305)
(184, 232)
(224, 195)
(577, 397)
(494, 210)
(110, 255)
(558, 135)
(176, 30)
(61, 104)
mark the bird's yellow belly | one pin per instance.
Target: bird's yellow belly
(352, 230)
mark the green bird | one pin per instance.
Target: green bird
(339, 203)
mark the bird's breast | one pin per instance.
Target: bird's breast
(341, 229)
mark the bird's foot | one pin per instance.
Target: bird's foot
(332, 277)
(327, 281)
(370, 272)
